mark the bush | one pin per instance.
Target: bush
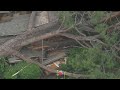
(30, 71)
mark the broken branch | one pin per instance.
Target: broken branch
(31, 20)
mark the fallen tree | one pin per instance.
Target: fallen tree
(15, 43)
(12, 46)
(34, 34)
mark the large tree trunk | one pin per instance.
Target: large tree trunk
(15, 43)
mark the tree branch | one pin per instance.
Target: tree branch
(31, 20)
(90, 38)
(27, 59)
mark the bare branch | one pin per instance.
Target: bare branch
(31, 20)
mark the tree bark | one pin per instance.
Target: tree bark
(15, 43)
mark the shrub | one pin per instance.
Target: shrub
(30, 71)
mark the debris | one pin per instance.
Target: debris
(60, 73)
(41, 18)
(54, 61)
(31, 53)
(54, 57)
(51, 66)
